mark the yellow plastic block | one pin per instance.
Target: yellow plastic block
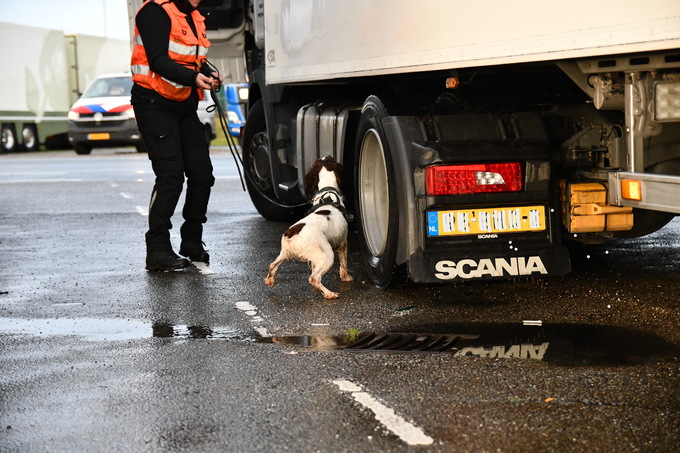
(582, 193)
(586, 224)
(619, 222)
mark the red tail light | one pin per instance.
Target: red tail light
(474, 178)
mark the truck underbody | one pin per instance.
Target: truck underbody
(388, 130)
(467, 171)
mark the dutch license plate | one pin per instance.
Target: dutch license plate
(99, 136)
(486, 221)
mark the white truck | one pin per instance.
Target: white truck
(45, 72)
(476, 137)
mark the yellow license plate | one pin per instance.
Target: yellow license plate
(99, 136)
(486, 221)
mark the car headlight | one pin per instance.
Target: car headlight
(131, 113)
(73, 116)
(232, 117)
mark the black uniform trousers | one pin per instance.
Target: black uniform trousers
(177, 146)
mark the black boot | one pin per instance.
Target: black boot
(165, 260)
(194, 251)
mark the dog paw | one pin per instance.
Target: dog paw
(331, 295)
(270, 282)
(346, 278)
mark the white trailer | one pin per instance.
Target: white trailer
(46, 71)
(476, 137)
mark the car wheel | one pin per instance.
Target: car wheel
(82, 149)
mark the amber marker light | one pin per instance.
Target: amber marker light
(452, 82)
(631, 189)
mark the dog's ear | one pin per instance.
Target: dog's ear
(312, 178)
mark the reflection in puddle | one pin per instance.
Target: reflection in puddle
(110, 329)
(560, 344)
(167, 330)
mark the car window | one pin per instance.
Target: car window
(109, 86)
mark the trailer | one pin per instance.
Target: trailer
(48, 72)
(478, 138)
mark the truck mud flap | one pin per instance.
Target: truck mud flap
(443, 267)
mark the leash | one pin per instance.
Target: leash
(242, 173)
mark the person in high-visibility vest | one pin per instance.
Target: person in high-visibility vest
(170, 44)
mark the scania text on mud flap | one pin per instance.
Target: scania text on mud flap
(472, 149)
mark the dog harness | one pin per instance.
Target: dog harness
(330, 196)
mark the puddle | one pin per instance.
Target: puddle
(167, 330)
(111, 329)
(563, 344)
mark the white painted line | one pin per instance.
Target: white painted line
(251, 310)
(245, 306)
(203, 268)
(125, 195)
(24, 181)
(263, 332)
(142, 211)
(406, 431)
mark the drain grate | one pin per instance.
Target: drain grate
(410, 342)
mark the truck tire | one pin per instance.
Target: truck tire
(376, 200)
(257, 168)
(9, 138)
(29, 137)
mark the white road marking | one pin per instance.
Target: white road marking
(125, 195)
(251, 310)
(406, 431)
(24, 181)
(263, 332)
(203, 268)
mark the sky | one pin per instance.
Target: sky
(91, 17)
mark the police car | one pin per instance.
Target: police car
(103, 117)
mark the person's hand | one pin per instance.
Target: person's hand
(217, 80)
(205, 82)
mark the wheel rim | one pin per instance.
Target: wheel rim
(28, 137)
(374, 196)
(259, 161)
(7, 138)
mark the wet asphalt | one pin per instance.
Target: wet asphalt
(97, 354)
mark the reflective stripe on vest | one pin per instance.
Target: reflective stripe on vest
(183, 47)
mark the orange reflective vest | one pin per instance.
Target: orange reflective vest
(183, 47)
